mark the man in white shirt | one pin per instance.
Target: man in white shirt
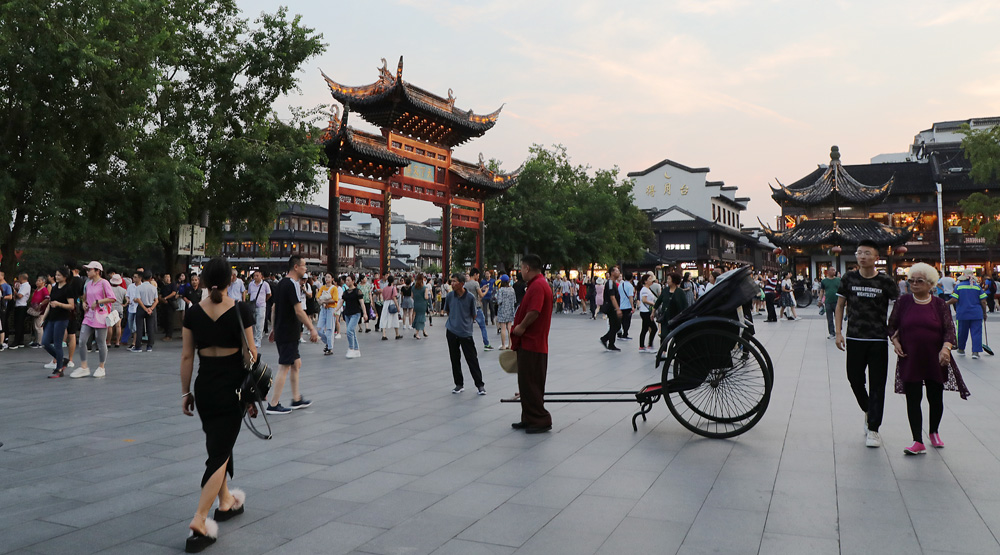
(626, 293)
(236, 290)
(564, 291)
(947, 285)
(259, 292)
(22, 294)
(132, 302)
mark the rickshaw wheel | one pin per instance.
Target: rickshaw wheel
(712, 393)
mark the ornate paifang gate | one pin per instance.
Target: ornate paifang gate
(411, 158)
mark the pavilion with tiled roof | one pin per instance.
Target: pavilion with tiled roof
(411, 158)
(835, 212)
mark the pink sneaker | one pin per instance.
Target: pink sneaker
(916, 449)
(936, 441)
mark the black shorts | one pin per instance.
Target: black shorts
(288, 353)
(73, 328)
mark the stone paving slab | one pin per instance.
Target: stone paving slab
(388, 461)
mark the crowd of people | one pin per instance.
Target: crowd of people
(75, 311)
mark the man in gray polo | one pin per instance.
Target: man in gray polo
(462, 312)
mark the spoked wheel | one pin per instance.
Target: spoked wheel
(716, 383)
(803, 298)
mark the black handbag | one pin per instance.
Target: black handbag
(256, 384)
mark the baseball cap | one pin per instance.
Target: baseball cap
(505, 278)
(95, 265)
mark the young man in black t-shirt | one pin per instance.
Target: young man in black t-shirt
(287, 319)
(613, 309)
(866, 293)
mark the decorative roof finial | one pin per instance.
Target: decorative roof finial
(399, 69)
(482, 161)
(451, 98)
(835, 153)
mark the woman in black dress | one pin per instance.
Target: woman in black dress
(212, 327)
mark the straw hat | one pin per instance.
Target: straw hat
(508, 361)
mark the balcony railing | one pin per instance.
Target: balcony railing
(964, 240)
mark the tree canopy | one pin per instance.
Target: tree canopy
(983, 212)
(565, 214)
(982, 149)
(128, 118)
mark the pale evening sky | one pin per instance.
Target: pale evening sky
(752, 89)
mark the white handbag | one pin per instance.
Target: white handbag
(112, 319)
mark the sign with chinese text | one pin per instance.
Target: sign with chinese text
(416, 170)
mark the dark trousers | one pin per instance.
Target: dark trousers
(647, 326)
(831, 309)
(165, 312)
(626, 321)
(592, 301)
(532, 368)
(20, 320)
(873, 356)
(914, 393)
(769, 298)
(468, 347)
(614, 325)
(143, 325)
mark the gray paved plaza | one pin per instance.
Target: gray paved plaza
(388, 461)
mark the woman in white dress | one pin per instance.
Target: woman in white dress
(390, 308)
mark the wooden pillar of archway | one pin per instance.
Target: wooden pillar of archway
(385, 235)
(446, 239)
(333, 226)
(481, 238)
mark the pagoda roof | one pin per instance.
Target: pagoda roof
(395, 104)
(667, 162)
(358, 153)
(814, 233)
(484, 182)
(834, 186)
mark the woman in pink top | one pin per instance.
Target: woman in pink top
(390, 298)
(98, 301)
(39, 300)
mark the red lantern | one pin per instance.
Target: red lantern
(901, 250)
(777, 250)
(837, 250)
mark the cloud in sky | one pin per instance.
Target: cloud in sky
(753, 90)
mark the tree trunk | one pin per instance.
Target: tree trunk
(8, 245)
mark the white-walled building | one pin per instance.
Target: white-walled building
(697, 222)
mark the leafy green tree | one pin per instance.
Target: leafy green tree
(216, 151)
(983, 213)
(568, 217)
(127, 118)
(982, 148)
(74, 82)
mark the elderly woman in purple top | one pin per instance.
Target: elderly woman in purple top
(922, 334)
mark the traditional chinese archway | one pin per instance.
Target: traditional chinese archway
(411, 158)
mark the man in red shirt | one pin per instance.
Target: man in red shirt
(530, 338)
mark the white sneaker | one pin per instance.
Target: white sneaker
(873, 439)
(80, 373)
(336, 336)
(975, 355)
(50, 366)
(99, 373)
